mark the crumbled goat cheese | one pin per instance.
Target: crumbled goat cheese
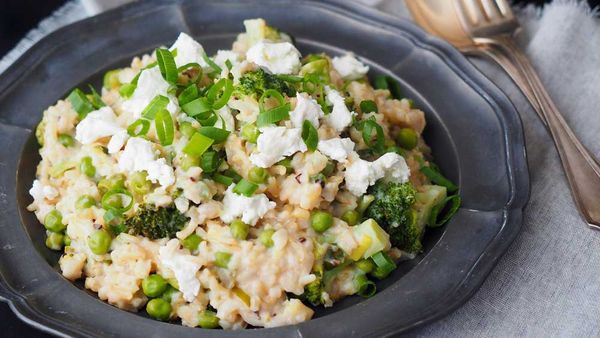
(184, 267)
(117, 141)
(306, 108)
(276, 57)
(251, 209)
(275, 143)
(97, 124)
(340, 117)
(336, 148)
(40, 191)
(361, 174)
(150, 84)
(188, 51)
(349, 67)
(139, 155)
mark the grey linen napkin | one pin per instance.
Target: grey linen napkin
(548, 282)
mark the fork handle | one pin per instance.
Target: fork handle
(580, 166)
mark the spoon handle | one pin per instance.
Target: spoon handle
(580, 166)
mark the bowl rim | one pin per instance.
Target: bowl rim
(514, 141)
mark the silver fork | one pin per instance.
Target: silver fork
(492, 25)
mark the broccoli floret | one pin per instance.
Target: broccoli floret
(257, 81)
(393, 210)
(313, 292)
(155, 223)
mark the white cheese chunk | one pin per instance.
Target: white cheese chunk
(275, 143)
(349, 67)
(139, 155)
(117, 141)
(150, 84)
(306, 108)
(188, 51)
(97, 124)
(40, 191)
(340, 117)
(250, 209)
(276, 57)
(361, 174)
(184, 267)
(336, 148)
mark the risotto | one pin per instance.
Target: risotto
(242, 189)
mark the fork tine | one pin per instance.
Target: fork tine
(471, 12)
(490, 9)
(504, 8)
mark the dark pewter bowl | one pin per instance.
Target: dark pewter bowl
(473, 129)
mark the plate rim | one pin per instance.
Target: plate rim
(513, 132)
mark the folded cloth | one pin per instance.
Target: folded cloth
(547, 282)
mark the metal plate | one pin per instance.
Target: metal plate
(473, 129)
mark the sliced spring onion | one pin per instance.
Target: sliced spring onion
(157, 104)
(191, 65)
(437, 178)
(209, 162)
(197, 145)
(58, 170)
(267, 94)
(368, 106)
(365, 287)
(443, 212)
(211, 63)
(166, 63)
(384, 265)
(368, 126)
(189, 94)
(233, 174)
(118, 200)
(80, 103)
(224, 180)
(245, 188)
(197, 106)
(228, 64)
(274, 115)
(96, 99)
(310, 135)
(291, 78)
(217, 134)
(138, 128)
(381, 82)
(389, 83)
(127, 90)
(224, 87)
(209, 121)
(163, 122)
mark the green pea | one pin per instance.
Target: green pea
(67, 241)
(188, 161)
(53, 221)
(154, 285)
(250, 132)
(222, 259)
(321, 221)
(66, 140)
(99, 242)
(55, 241)
(329, 169)
(139, 184)
(365, 265)
(86, 167)
(168, 294)
(287, 163)
(159, 308)
(407, 138)
(208, 319)
(191, 242)
(351, 217)
(258, 175)
(187, 129)
(239, 229)
(116, 181)
(84, 202)
(266, 237)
